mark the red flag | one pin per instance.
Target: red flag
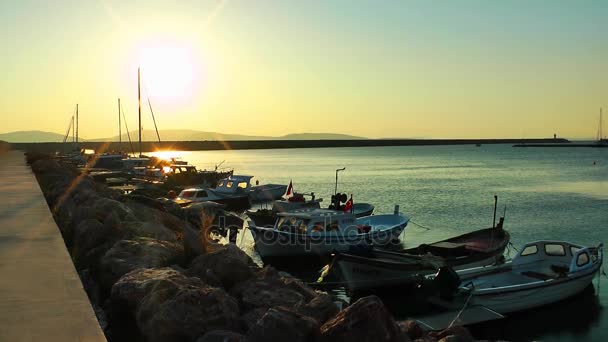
(348, 206)
(289, 192)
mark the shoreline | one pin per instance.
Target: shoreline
(49, 147)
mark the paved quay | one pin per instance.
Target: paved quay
(41, 296)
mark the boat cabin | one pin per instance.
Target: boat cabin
(234, 184)
(560, 256)
(192, 194)
(181, 168)
(319, 221)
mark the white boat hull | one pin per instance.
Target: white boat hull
(525, 299)
(267, 192)
(272, 243)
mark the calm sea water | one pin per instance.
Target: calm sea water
(549, 193)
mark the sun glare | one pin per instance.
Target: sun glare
(168, 73)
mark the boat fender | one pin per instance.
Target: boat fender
(447, 282)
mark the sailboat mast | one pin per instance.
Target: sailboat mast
(77, 123)
(73, 130)
(119, 124)
(139, 105)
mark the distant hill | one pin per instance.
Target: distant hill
(31, 136)
(192, 135)
(172, 135)
(318, 136)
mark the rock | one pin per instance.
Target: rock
(185, 313)
(294, 284)
(103, 207)
(456, 333)
(169, 306)
(172, 208)
(64, 217)
(260, 294)
(141, 252)
(148, 214)
(229, 263)
(44, 165)
(321, 308)
(154, 230)
(251, 317)
(193, 245)
(221, 336)
(280, 324)
(411, 328)
(91, 240)
(365, 320)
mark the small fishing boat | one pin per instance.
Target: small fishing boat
(320, 232)
(543, 272)
(267, 217)
(378, 268)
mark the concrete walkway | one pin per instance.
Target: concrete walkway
(41, 296)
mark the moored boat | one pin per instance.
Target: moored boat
(378, 268)
(543, 272)
(320, 232)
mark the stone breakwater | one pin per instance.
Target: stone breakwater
(152, 276)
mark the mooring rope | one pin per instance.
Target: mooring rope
(419, 225)
(466, 303)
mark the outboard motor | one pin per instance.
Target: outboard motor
(446, 282)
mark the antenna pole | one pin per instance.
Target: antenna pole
(119, 124)
(338, 170)
(139, 105)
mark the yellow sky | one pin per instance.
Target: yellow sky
(397, 69)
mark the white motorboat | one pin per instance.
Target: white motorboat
(319, 232)
(543, 272)
(257, 193)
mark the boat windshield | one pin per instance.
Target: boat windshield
(292, 224)
(187, 194)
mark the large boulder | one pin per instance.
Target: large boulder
(91, 240)
(229, 263)
(269, 289)
(193, 244)
(365, 320)
(280, 324)
(265, 295)
(104, 207)
(169, 306)
(154, 230)
(148, 213)
(321, 308)
(140, 252)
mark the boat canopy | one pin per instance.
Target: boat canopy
(578, 257)
(234, 184)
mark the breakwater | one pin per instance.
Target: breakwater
(152, 275)
(268, 144)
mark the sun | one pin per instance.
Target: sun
(168, 72)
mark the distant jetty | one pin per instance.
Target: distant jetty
(276, 144)
(593, 145)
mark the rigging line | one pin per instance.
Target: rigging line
(67, 133)
(127, 128)
(419, 225)
(151, 111)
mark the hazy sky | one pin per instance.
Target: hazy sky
(373, 68)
